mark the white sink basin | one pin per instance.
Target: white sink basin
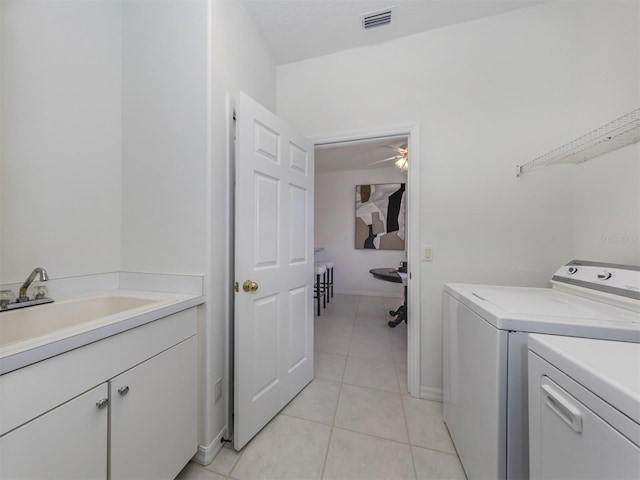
(43, 320)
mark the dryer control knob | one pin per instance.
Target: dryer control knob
(604, 276)
(572, 270)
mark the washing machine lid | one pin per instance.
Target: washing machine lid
(548, 302)
(611, 370)
(547, 310)
(587, 299)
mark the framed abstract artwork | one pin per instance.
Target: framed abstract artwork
(380, 216)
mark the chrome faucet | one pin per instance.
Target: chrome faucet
(23, 289)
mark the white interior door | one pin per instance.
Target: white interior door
(273, 267)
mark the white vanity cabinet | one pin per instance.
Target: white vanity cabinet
(68, 442)
(122, 407)
(154, 414)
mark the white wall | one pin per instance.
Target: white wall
(164, 124)
(606, 190)
(335, 231)
(60, 153)
(114, 152)
(239, 61)
(606, 205)
(488, 95)
(181, 60)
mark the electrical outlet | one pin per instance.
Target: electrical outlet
(218, 390)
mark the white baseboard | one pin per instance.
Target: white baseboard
(366, 293)
(206, 453)
(434, 394)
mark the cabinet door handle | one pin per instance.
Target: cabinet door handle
(102, 403)
(123, 390)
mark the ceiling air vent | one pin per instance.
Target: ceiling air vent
(378, 18)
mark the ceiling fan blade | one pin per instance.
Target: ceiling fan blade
(395, 157)
(398, 148)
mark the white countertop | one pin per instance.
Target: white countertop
(25, 351)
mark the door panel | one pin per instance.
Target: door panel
(267, 229)
(299, 223)
(273, 334)
(298, 306)
(265, 340)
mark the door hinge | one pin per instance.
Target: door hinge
(236, 286)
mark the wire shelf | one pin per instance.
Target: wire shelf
(616, 134)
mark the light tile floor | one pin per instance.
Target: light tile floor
(355, 420)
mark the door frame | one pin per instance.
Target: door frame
(413, 238)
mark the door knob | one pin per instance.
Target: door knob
(249, 286)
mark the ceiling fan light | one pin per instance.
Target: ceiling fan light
(402, 163)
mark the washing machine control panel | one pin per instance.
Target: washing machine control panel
(614, 279)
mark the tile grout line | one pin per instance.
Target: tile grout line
(335, 410)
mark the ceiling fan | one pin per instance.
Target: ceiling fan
(401, 159)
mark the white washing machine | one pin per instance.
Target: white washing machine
(485, 331)
(584, 408)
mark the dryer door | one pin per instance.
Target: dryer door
(568, 440)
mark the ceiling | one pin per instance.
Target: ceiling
(295, 30)
(356, 155)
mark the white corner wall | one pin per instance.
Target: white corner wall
(60, 167)
(335, 232)
(238, 60)
(606, 190)
(606, 205)
(488, 95)
(164, 143)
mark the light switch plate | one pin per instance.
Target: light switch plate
(427, 253)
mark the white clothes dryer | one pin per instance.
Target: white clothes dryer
(584, 408)
(485, 331)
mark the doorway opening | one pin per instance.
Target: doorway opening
(342, 163)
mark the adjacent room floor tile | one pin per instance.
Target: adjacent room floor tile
(371, 350)
(426, 428)
(372, 333)
(316, 402)
(355, 456)
(287, 448)
(432, 465)
(371, 316)
(333, 326)
(331, 344)
(371, 411)
(371, 373)
(329, 366)
(336, 316)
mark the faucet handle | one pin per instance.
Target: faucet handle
(6, 297)
(39, 291)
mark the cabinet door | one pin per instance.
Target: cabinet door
(154, 415)
(69, 442)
